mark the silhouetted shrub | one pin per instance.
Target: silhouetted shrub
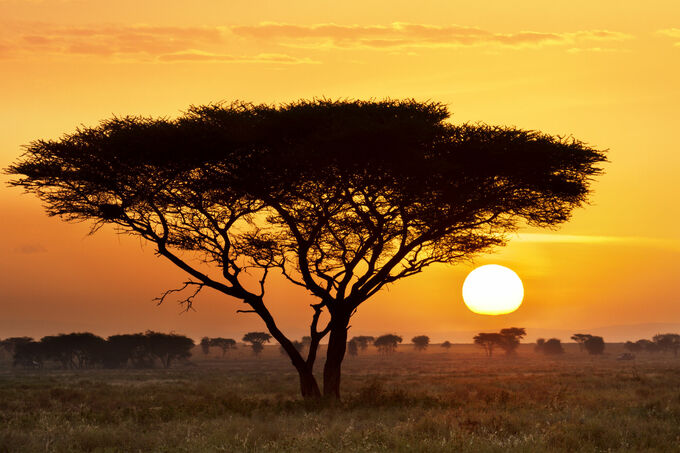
(549, 347)
(256, 339)
(225, 344)
(388, 343)
(594, 345)
(421, 342)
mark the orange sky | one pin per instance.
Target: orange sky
(605, 72)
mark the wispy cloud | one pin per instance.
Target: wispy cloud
(603, 240)
(275, 43)
(196, 55)
(673, 33)
(406, 35)
(134, 42)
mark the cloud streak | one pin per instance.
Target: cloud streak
(673, 33)
(135, 42)
(406, 35)
(272, 42)
(596, 240)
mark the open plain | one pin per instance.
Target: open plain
(408, 401)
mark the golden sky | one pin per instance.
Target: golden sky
(606, 72)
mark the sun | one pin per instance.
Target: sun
(493, 290)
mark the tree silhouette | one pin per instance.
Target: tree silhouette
(256, 340)
(668, 342)
(388, 343)
(488, 341)
(225, 344)
(168, 347)
(511, 338)
(362, 341)
(421, 342)
(341, 197)
(352, 348)
(205, 345)
(446, 345)
(552, 346)
(10, 344)
(594, 345)
(580, 339)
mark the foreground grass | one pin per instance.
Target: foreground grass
(410, 402)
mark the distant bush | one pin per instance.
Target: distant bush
(421, 342)
(552, 346)
(446, 345)
(256, 339)
(225, 344)
(387, 344)
(594, 345)
(362, 341)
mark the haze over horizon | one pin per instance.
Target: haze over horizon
(607, 79)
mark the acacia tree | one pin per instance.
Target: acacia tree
(387, 343)
(511, 339)
(205, 345)
(342, 197)
(580, 339)
(256, 340)
(594, 345)
(224, 344)
(421, 342)
(668, 342)
(489, 341)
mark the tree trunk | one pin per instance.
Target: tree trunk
(337, 344)
(308, 385)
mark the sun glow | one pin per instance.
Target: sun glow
(493, 290)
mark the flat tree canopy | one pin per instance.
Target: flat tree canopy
(341, 197)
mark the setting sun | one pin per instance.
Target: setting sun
(493, 290)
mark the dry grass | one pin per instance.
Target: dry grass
(431, 402)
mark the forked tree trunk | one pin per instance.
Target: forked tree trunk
(337, 344)
(308, 385)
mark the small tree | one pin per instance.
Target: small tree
(128, 350)
(421, 342)
(446, 345)
(362, 341)
(168, 347)
(205, 345)
(256, 340)
(489, 341)
(225, 344)
(594, 345)
(549, 347)
(580, 339)
(668, 342)
(511, 339)
(352, 348)
(387, 344)
(10, 344)
(29, 354)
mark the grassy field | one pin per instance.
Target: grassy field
(430, 402)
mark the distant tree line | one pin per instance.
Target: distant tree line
(225, 344)
(593, 344)
(87, 350)
(507, 339)
(666, 342)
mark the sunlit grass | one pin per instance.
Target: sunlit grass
(427, 402)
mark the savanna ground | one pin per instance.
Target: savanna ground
(434, 401)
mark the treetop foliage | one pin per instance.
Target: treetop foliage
(389, 184)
